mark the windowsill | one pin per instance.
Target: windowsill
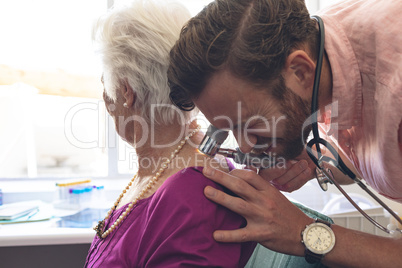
(17, 190)
(47, 232)
(43, 233)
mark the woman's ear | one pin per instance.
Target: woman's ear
(299, 73)
(127, 92)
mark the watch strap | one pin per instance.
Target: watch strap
(323, 222)
(310, 256)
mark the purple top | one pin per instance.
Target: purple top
(172, 228)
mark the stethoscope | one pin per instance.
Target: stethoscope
(214, 137)
(324, 175)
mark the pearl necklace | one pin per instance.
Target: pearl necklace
(99, 228)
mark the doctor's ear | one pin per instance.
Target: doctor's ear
(299, 73)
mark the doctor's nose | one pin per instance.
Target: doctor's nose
(246, 142)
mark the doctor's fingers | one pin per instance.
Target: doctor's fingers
(294, 184)
(245, 183)
(235, 204)
(294, 177)
(251, 177)
(283, 174)
(235, 236)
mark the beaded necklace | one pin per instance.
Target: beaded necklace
(101, 225)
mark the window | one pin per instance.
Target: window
(47, 135)
(52, 118)
(53, 122)
(47, 70)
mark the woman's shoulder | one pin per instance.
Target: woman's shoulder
(184, 192)
(190, 178)
(180, 209)
(186, 183)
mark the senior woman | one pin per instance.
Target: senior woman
(162, 218)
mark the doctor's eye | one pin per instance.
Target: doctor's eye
(181, 100)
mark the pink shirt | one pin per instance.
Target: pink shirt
(363, 40)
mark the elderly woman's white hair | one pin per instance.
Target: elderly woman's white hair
(134, 42)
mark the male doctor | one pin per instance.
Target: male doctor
(249, 66)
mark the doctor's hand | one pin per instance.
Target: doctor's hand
(291, 175)
(272, 220)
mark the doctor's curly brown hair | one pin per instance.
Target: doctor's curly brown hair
(249, 38)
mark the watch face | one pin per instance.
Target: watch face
(319, 238)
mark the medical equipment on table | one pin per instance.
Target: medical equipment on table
(214, 138)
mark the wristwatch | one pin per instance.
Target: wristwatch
(319, 239)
